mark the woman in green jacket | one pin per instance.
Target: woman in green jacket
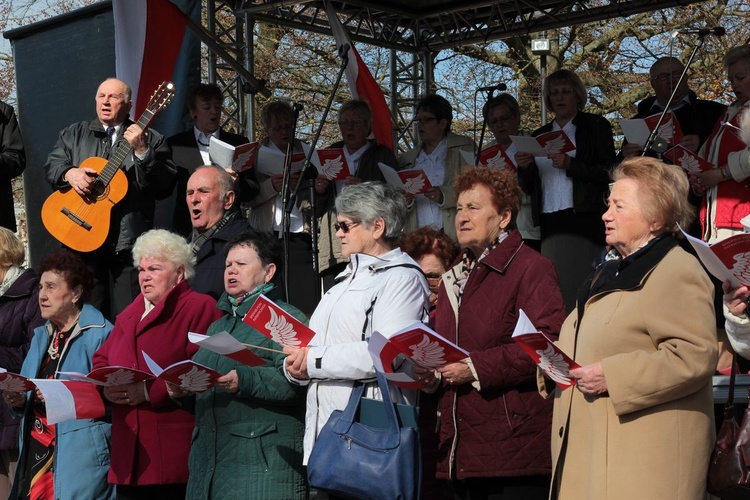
(247, 441)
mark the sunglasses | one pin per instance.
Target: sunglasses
(433, 280)
(345, 227)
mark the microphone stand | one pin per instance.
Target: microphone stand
(311, 172)
(286, 220)
(656, 143)
(484, 126)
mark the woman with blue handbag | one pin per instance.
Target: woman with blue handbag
(382, 289)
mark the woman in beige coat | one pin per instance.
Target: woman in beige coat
(639, 421)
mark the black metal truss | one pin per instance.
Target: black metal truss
(416, 25)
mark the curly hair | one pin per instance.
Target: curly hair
(430, 241)
(163, 244)
(74, 271)
(502, 184)
(662, 191)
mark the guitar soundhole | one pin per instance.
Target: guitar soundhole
(98, 190)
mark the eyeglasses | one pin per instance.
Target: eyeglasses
(674, 75)
(433, 280)
(351, 123)
(345, 227)
(426, 119)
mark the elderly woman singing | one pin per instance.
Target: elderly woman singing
(248, 429)
(639, 423)
(150, 433)
(381, 289)
(494, 427)
(53, 454)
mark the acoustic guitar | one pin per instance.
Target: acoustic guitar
(82, 222)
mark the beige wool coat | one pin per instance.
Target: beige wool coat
(650, 437)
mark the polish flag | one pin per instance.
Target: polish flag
(223, 343)
(362, 84)
(70, 400)
(148, 38)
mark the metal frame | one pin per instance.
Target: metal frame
(441, 24)
(231, 37)
(415, 31)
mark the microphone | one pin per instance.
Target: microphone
(344, 49)
(718, 31)
(297, 107)
(499, 86)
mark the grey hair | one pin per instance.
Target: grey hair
(163, 244)
(226, 183)
(128, 90)
(369, 201)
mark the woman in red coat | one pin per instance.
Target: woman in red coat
(494, 427)
(150, 433)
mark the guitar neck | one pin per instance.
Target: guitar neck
(123, 150)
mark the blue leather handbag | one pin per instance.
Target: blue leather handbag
(353, 460)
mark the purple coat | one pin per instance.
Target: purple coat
(19, 315)
(503, 429)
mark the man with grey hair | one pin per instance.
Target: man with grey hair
(148, 169)
(210, 199)
(695, 116)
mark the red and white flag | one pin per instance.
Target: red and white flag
(70, 400)
(362, 84)
(148, 37)
(223, 343)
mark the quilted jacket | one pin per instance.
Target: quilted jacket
(248, 444)
(502, 429)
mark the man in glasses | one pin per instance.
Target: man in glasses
(695, 116)
(362, 156)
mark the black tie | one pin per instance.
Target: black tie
(108, 145)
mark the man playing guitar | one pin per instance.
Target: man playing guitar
(149, 171)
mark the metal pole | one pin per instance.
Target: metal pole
(543, 75)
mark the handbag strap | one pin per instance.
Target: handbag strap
(350, 412)
(348, 416)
